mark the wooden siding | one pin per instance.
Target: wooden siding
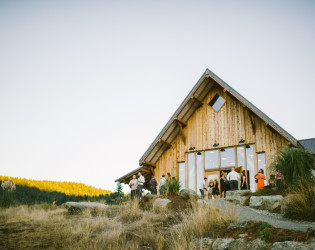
(226, 127)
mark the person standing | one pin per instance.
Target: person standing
(278, 179)
(162, 185)
(141, 181)
(223, 185)
(133, 184)
(227, 182)
(260, 177)
(202, 188)
(243, 181)
(215, 190)
(210, 189)
(233, 177)
(168, 177)
(152, 185)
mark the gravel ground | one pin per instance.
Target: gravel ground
(244, 213)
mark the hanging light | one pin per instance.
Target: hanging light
(241, 140)
(216, 144)
(199, 153)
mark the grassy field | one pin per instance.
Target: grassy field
(121, 227)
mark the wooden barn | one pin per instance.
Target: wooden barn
(214, 129)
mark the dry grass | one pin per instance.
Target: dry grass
(122, 227)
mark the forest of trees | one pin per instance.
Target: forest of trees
(33, 192)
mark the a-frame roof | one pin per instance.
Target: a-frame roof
(189, 106)
(186, 110)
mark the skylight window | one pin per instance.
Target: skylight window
(217, 102)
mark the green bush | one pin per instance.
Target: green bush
(295, 164)
(173, 186)
(265, 235)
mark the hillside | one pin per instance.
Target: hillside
(67, 188)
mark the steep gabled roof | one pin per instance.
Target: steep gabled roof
(189, 106)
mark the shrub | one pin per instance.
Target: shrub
(173, 186)
(265, 235)
(295, 164)
(7, 195)
(301, 204)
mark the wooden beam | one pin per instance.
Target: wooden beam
(180, 121)
(252, 120)
(200, 103)
(165, 143)
(224, 90)
(149, 163)
(146, 170)
(207, 75)
(181, 131)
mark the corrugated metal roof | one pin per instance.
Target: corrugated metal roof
(308, 144)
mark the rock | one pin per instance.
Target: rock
(243, 235)
(222, 244)
(203, 243)
(292, 245)
(160, 203)
(238, 244)
(79, 206)
(201, 202)
(285, 201)
(257, 244)
(266, 202)
(311, 245)
(237, 196)
(189, 194)
(238, 224)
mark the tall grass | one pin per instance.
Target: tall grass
(301, 204)
(123, 227)
(295, 164)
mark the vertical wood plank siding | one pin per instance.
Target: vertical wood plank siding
(226, 127)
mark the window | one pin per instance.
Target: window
(250, 167)
(262, 163)
(212, 159)
(182, 175)
(227, 157)
(199, 171)
(191, 171)
(217, 102)
(241, 157)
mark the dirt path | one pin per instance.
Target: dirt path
(244, 213)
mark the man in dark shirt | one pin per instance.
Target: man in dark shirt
(152, 185)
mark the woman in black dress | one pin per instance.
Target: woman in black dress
(215, 190)
(223, 186)
(243, 181)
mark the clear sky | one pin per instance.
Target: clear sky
(85, 86)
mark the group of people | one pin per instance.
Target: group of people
(136, 185)
(229, 181)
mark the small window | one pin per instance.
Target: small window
(217, 102)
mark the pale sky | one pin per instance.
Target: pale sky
(86, 86)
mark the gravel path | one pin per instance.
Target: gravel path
(243, 213)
